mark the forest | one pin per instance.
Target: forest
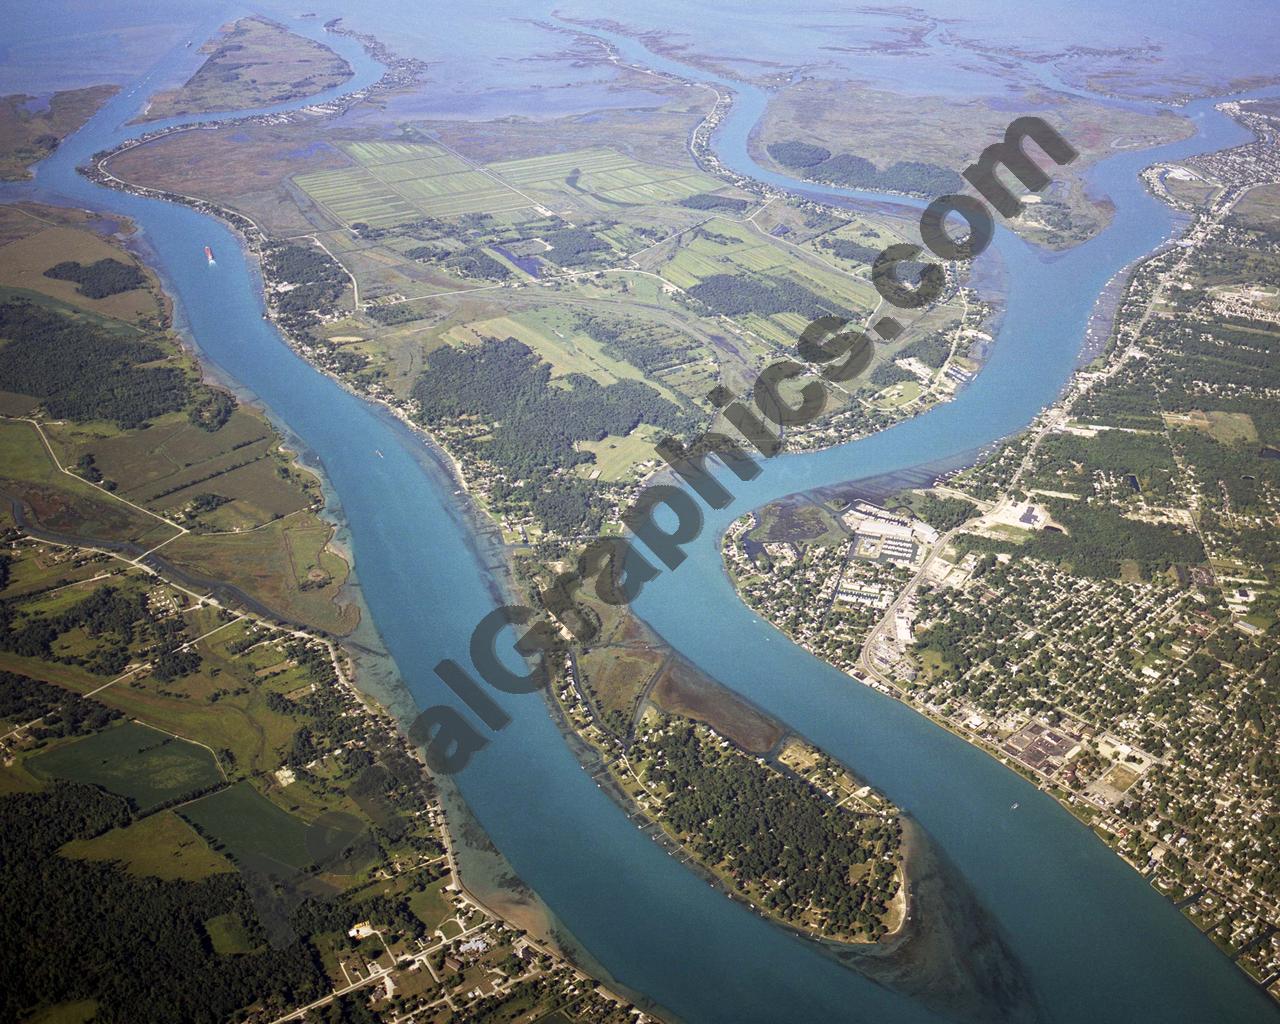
(100, 279)
(536, 426)
(61, 712)
(1146, 456)
(711, 201)
(80, 371)
(945, 513)
(773, 832)
(140, 945)
(572, 247)
(317, 280)
(1099, 539)
(910, 176)
(731, 295)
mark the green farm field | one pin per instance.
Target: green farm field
(242, 821)
(397, 182)
(555, 336)
(145, 765)
(605, 173)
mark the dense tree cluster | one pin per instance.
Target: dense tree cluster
(794, 153)
(1099, 539)
(731, 295)
(81, 371)
(316, 280)
(912, 176)
(848, 249)
(537, 426)
(888, 374)
(100, 279)
(212, 409)
(711, 201)
(932, 350)
(61, 712)
(642, 344)
(773, 833)
(1066, 461)
(390, 315)
(472, 261)
(944, 513)
(572, 247)
(141, 949)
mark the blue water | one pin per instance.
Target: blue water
(1097, 943)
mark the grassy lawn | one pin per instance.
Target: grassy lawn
(143, 764)
(1223, 427)
(160, 845)
(80, 1012)
(228, 934)
(1121, 778)
(617, 456)
(39, 238)
(934, 663)
(431, 906)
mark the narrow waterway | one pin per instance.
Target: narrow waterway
(1096, 942)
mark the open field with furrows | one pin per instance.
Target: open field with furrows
(610, 176)
(160, 845)
(397, 182)
(134, 761)
(248, 826)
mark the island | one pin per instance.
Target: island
(253, 62)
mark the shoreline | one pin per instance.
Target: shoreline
(440, 455)
(481, 527)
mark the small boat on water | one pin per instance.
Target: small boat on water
(208, 254)
(378, 452)
(1014, 807)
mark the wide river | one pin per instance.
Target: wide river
(1096, 942)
